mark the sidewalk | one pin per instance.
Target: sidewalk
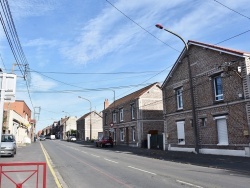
(29, 153)
(239, 165)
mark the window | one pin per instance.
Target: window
(222, 130)
(180, 132)
(114, 134)
(132, 111)
(179, 98)
(122, 134)
(114, 117)
(203, 122)
(121, 114)
(218, 92)
(133, 133)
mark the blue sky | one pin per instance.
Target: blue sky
(75, 47)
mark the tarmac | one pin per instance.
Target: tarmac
(34, 153)
(236, 164)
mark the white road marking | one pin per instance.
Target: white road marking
(141, 170)
(110, 160)
(190, 184)
(95, 155)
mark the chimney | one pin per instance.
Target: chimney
(106, 104)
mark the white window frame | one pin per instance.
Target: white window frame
(122, 134)
(133, 133)
(132, 111)
(114, 117)
(218, 97)
(121, 114)
(181, 132)
(179, 98)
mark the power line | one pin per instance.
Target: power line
(95, 73)
(232, 37)
(232, 9)
(141, 26)
(13, 39)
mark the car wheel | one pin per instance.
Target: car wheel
(111, 145)
(96, 144)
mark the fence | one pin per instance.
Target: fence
(23, 174)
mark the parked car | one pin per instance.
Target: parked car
(71, 139)
(42, 138)
(8, 145)
(105, 141)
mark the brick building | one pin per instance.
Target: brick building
(17, 121)
(129, 119)
(221, 90)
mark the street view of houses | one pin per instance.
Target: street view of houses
(188, 126)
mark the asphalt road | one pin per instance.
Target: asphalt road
(87, 166)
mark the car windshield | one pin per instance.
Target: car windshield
(7, 138)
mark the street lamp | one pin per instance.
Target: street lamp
(90, 122)
(190, 83)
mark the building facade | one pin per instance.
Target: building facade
(217, 122)
(89, 121)
(130, 119)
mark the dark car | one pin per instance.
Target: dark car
(105, 141)
(42, 138)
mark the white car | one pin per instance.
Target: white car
(8, 145)
(71, 139)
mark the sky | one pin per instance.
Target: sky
(106, 49)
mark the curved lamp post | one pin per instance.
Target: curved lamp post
(90, 122)
(191, 86)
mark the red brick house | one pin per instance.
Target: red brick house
(129, 119)
(221, 90)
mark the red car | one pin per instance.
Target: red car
(105, 141)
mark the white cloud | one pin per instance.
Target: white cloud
(38, 83)
(106, 34)
(25, 8)
(40, 42)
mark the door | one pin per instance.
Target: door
(222, 131)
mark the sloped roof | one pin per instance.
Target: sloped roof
(219, 48)
(63, 120)
(131, 96)
(204, 45)
(86, 115)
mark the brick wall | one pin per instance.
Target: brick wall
(206, 63)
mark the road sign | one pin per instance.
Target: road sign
(111, 129)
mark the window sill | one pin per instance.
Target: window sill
(181, 143)
(222, 144)
(179, 110)
(218, 102)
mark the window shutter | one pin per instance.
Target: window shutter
(222, 132)
(180, 130)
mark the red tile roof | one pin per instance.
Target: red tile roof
(218, 47)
